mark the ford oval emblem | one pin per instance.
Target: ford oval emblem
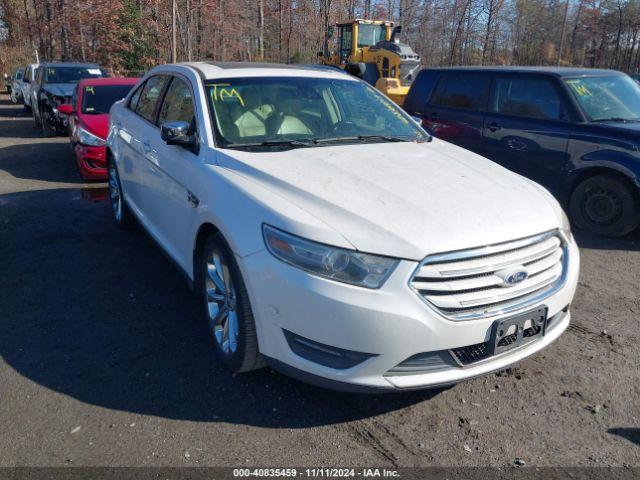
(515, 278)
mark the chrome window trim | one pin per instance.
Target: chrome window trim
(520, 304)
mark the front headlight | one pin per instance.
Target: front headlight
(335, 263)
(566, 225)
(87, 138)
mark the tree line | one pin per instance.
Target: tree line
(129, 36)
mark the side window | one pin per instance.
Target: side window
(462, 90)
(149, 97)
(527, 97)
(346, 37)
(177, 105)
(135, 98)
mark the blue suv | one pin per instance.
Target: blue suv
(575, 131)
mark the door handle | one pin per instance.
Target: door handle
(494, 126)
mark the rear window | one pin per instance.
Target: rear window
(468, 91)
(98, 99)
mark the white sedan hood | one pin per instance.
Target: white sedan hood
(404, 200)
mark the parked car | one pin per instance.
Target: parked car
(330, 236)
(16, 86)
(27, 79)
(52, 86)
(575, 131)
(88, 114)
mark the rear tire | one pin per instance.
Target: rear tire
(121, 213)
(227, 307)
(606, 206)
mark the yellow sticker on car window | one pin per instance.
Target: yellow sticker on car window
(90, 90)
(580, 89)
(224, 91)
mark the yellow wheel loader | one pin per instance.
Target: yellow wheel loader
(371, 50)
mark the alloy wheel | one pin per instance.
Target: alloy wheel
(221, 303)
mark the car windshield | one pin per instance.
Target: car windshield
(97, 99)
(302, 111)
(610, 98)
(70, 74)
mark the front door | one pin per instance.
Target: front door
(527, 128)
(172, 175)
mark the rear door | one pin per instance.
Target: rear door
(136, 132)
(527, 127)
(455, 110)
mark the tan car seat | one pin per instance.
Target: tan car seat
(251, 122)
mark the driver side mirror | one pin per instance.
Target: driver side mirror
(179, 133)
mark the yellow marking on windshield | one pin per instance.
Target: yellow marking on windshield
(90, 90)
(581, 90)
(224, 91)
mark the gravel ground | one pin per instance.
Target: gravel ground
(104, 359)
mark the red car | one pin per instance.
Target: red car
(89, 121)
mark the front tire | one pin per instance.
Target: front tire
(606, 206)
(48, 130)
(227, 307)
(121, 212)
(36, 120)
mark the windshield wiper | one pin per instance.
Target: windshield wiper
(617, 119)
(273, 143)
(363, 138)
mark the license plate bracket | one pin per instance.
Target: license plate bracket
(512, 332)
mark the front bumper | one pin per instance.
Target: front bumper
(92, 161)
(392, 324)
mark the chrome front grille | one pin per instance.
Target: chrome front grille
(470, 284)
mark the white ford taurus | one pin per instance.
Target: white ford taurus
(330, 236)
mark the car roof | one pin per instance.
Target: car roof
(109, 81)
(212, 70)
(555, 71)
(69, 64)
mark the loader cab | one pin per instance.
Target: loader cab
(355, 35)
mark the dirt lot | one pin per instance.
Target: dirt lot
(104, 359)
